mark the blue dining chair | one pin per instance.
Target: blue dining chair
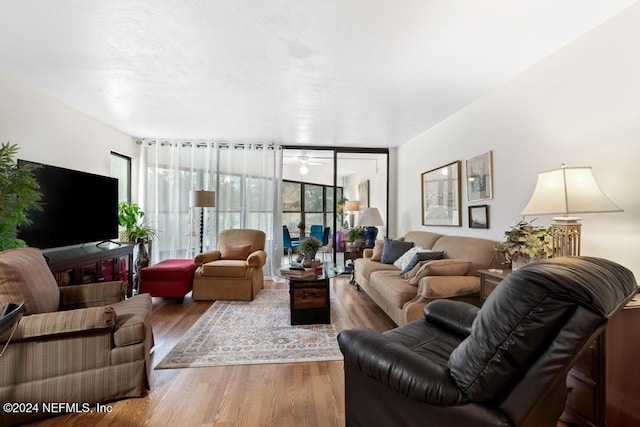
(287, 243)
(326, 248)
(316, 232)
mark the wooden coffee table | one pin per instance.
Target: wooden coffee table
(309, 297)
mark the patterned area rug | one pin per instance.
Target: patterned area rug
(254, 332)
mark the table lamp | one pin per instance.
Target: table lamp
(351, 206)
(371, 219)
(202, 199)
(566, 191)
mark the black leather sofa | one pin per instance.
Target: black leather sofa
(503, 365)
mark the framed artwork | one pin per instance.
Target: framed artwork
(441, 195)
(480, 177)
(363, 194)
(479, 216)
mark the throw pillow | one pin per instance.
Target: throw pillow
(240, 252)
(393, 249)
(377, 250)
(423, 255)
(441, 267)
(411, 273)
(406, 257)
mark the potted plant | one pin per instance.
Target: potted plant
(19, 194)
(138, 231)
(525, 243)
(301, 228)
(356, 234)
(309, 247)
(134, 223)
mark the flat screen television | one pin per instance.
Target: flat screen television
(78, 207)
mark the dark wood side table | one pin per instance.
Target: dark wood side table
(489, 279)
(604, 384)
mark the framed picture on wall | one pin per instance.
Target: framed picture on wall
(479, 216)
(363, 194)
(441, 195)
(480, 177)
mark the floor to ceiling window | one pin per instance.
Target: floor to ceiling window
(246, 179)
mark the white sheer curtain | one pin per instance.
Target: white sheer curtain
(247, 180)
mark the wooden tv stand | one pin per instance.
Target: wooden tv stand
(89, 263)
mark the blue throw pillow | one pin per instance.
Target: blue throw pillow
(422, 256)
(393, 249)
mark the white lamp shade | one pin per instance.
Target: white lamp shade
(568, 191)
(203, 199)
(352, 206)
(370, 217)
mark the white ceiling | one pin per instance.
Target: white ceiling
(366, 73)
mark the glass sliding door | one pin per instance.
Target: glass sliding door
(317, 182)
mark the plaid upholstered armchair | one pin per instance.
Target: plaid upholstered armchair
(76, 344)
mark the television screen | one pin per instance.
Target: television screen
(78, 207)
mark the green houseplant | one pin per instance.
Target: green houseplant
(136, 230)
(356, 234)
(309, 247)
(19, 194)
(132, 219)
(525, 243)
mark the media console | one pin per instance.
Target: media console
(89, 263)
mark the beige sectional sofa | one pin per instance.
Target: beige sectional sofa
(402, 301)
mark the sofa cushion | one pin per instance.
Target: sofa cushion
(225, 268)
(423, 255)
(392, 287)
(25, 276)
(441, 267)
(377, 250)
(393, 249)
(365, 266)
(239, 252)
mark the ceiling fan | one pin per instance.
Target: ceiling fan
(304, 161)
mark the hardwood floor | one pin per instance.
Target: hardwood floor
(291, 394)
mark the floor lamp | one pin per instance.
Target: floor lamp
(202, 199)
(567, 191)
(371, 219)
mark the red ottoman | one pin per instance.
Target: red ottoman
(171, 278)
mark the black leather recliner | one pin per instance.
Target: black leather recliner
(503, 365)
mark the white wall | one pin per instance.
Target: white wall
(50, 132)
(581, 107)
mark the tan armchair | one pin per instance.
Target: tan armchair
(233, 271)
(80, 344)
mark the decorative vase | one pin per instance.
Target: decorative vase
(142, 261)
(308, 258)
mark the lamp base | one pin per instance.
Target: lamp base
(371, 233)
(565, 232)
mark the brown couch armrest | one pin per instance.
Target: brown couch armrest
(206, 257)
(91, 295)
(257, 259)
(42, 325)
